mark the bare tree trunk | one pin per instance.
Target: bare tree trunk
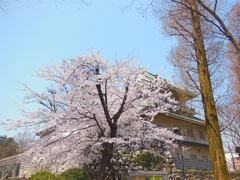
(220, 169)
(106, 170)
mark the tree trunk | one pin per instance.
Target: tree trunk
(220, 169)
(106, 170)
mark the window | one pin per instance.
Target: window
(205, 159)
(190, 133)
(176, 130)
(201, 135)
(193, 158)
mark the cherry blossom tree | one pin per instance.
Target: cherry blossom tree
(92, 109)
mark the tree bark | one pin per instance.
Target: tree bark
(106, 170)
(220, 169)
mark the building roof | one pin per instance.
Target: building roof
(192, 119)
(174, 87)
(46, 131)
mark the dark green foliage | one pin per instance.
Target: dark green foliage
(75, 174)
(71, 174)
(146, 160)
(155, 178)
(8, 147)
(45, 175)
(238, 173)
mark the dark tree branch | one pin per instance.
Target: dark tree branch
(226, 32)
(120, 111)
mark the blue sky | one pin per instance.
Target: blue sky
(35, 34)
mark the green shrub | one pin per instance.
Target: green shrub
(75, 174)
(155, 178)
(238, 173)
(45, 175)
(147, 159)
(193, 170)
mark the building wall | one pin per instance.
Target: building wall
(10, 165)
(233, 161)
(25, 168)
(191, 131)
(16, 166)
(195, 156)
